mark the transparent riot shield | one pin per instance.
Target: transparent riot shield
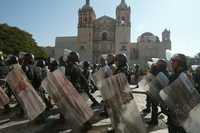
(28, 98)
(156, 85)
(123, 109)
(98, 77)
(145, 81)
(72, 105)
(4, 100)
(183, 100)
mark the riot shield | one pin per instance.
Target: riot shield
(72, 105)
(156, 85)
(183, 100)
(28, 98)
(98, 77)
(123, 109)
(145, 81)
(4, 100)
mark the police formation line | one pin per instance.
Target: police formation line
(52, 80)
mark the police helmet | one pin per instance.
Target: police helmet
(73, 57)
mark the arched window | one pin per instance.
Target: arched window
(104, 36)
(123, 20)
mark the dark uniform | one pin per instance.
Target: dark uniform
(40, 73)
(27, 66)
(196, 78)
(160, 66)
(4, 69)
(179, 65)
(52, 65)
(74, 74)
(87, 73)
(137, 75)
(122, 66)
(111, 62)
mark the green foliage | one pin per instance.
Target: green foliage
(14, 40)
(197, 55)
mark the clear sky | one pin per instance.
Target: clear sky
(47, 19)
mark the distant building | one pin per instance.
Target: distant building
(49, 50)
(104, 35)
(149, 46)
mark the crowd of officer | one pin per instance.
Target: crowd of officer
(80, 75)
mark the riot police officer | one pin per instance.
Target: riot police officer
(104, 67)
(40, 73)
(196, 78)
(159, 66)
(179, 65)
(53, 65)
(74, 74)
(111, 62)
(3, 67)
(12, 60)
(27, 66)
(121, 63)
(136, 74)
(86, 69)
(87, 73)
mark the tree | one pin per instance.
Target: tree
(14, 40)
(197, 55)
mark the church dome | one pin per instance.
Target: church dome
(148, 37)
(147, 34)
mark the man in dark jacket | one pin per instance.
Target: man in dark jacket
(179, 65)
(74, 74)
(159, 66)
(121, 63)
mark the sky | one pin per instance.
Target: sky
(48, 19)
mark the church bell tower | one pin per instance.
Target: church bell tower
(123, 28)
(86, 17)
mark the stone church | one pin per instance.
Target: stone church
(104, 35)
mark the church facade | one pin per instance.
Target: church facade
(104, 35)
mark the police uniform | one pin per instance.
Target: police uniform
(74, 74)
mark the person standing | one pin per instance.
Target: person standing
(179, 65)
(74, 74)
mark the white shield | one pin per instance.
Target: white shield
(184, 101)
(156, 85)
(28, 98)
(145, 81)
(124, 113)
(98, 77)
(72, 105)
(4, 100)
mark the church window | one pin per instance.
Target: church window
(123, 20)
(104, 36)
(85, 20)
